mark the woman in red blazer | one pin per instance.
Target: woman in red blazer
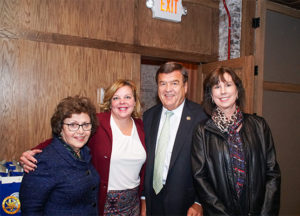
(117, 149)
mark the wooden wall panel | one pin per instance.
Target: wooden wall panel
(194, 89)
(100, 19)
(53, 48)
(247, 31)
(125, 26)
(198, 31)
(35, 76)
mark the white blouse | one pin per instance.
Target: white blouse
(127, 158)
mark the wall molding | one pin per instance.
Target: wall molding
(282, 87)
(70, 40)
(283, 9)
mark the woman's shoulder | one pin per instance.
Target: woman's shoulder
(47, 152)
(104, 119)
(45, 160)
(254, 118)
(138, 121)
(50, 153)
(203, 124)
(103, 115)
(255, 122)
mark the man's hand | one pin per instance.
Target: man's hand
(27, 160)
(195, 210)
(143, 207)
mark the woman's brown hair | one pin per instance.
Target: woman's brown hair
(73, 105)
(214, 78)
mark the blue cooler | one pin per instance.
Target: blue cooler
(10, 182)
(3, 171)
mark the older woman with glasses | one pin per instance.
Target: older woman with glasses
(65, 181)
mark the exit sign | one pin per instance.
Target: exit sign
(170, 10)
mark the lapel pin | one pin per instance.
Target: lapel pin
(188, 118)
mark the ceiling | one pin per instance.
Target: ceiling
(290, 3)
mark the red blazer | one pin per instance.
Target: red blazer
(101, 148)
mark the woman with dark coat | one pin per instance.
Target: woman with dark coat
(233, 155)
(65, 181)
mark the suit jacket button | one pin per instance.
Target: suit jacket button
(88, 172)
(94, 205)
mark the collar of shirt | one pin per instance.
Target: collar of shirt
(177, 112)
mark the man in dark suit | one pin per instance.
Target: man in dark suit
(177, 195)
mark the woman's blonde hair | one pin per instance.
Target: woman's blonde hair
(113, 88)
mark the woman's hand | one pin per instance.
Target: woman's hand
(27, 160)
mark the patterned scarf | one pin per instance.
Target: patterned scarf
(236, 150)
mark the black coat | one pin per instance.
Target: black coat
(180, 192)
(214, 175)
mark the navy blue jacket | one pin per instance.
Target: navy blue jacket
(61, 184)
(179, 193)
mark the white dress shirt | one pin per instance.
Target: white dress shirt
(174, 122)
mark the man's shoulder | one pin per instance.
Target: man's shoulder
(153, 109)
(193, 105)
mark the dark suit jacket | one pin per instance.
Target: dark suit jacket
(61, 184)
(180, 192)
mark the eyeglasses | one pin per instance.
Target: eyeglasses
(75, 126)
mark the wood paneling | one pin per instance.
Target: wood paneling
(247, 31)
(259, 56)
(107, 20)
(207, 3)
(282, 87)
(194, 89)
(36, 76)
(50, 49)
(197, 32)
(124, 25)
(153, 52)
(287, 9)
